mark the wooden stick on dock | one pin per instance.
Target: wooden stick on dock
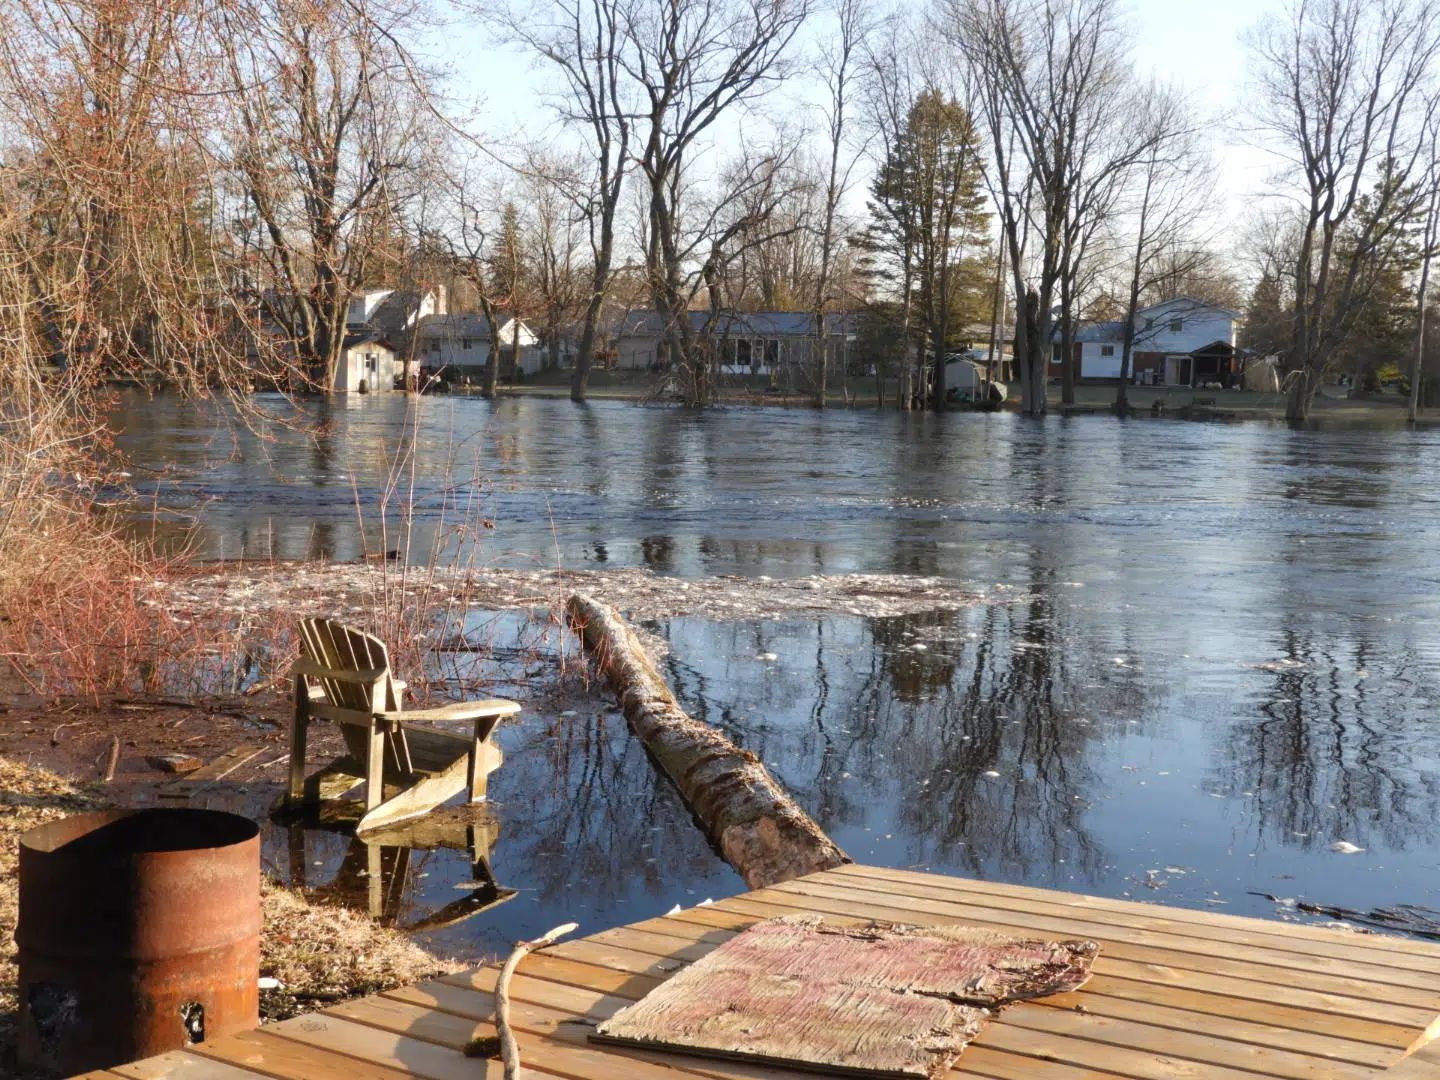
(759, 829)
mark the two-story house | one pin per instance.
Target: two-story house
(459, 345)
(1181, 342)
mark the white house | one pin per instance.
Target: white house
(749, 343)
(1180, 342)
(460, 346)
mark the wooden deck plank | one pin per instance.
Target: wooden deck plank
(182, 1065)
(401, 1055)
(559, 970)
(1340, 958)
(267, 1053)
(1424, 1064)
(1219, 920)
(1211, 1050)
(562, 1050)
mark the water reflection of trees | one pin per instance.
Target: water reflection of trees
(869, 731)
(1340, 746)
(587, 816)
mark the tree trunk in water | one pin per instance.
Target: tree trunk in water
(585, 354)
(758, 828)
(1302, 389)
(1417, 366)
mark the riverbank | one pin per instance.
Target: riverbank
(1331, 403)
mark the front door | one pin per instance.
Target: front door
(1176, 371)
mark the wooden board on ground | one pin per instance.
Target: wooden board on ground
(874, 1000)
(210, 773)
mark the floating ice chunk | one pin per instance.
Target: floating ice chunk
(990, 772)
(1344, 847)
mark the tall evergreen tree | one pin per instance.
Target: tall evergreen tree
(927, 208)
(508, 281)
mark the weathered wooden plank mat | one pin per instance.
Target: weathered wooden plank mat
(1175, 995)
(879, 999)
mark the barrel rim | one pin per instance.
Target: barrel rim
(227, 830)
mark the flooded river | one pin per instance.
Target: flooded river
(1215, 655)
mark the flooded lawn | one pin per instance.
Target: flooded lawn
(1207, 656)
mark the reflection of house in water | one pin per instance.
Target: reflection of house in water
(378, 871)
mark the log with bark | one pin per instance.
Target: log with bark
(757, 827)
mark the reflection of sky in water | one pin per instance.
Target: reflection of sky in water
(1223, 661)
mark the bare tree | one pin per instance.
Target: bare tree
(839, 65)
(325, 140)
(1430, 187)
(584, 41)
(554, 208)
(460, 230)
(1346, 88)
(1108, 146)
(1169, 189)
(1044, 71)
(690, 63)
(891, 84)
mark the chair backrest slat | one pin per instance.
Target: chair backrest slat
(334, 645)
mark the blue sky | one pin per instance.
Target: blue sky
(1198, 45)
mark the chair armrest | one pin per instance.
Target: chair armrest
(307, 667)
(461, 710)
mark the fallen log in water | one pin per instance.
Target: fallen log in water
(758, 828)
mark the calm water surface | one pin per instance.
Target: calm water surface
(1223, 658)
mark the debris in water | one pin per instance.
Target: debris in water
(175, 763)
(1344, 847)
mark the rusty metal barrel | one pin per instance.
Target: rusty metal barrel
(139, 932)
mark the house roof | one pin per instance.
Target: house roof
(1189, 303)
(455, 327)
(1100, 331)
(732, 323)
(366, 337)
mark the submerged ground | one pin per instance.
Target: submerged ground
(1173, 661)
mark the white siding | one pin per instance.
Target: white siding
(1199, 326)
(1095, 365)
(354, 368)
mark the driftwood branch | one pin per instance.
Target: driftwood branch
(759, 829)
(509, 1052)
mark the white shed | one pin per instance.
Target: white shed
(366, 359)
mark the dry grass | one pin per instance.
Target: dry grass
(321, 954)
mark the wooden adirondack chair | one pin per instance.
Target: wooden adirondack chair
(343, 675)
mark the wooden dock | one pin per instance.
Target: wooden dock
(1175, 994)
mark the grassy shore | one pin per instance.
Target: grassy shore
(1331, 404)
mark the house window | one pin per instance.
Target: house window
(1176, 325)
(434, 345)
(370, 361)
(1149, 324)
(1107, 350)
(465, 344)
